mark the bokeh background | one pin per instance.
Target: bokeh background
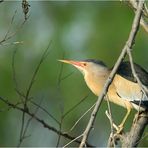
(78, 30)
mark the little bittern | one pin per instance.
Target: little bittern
(123, 91)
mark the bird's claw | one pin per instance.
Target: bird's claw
(119, 129)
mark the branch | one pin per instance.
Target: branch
(134, 4)
(130, 42)
(26, 97)
(9, 35)
(132, 138)
(42, 122)
(26, 128)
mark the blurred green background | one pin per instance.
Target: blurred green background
(78, 30)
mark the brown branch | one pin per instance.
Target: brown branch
(130, 42)
(132, 138)
(41, 121)
(134, 4)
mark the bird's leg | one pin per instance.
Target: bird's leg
(120, 127)
(110, 118)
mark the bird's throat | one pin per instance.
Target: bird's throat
(96, 82)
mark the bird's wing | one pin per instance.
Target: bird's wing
(127, 87)
(125, 71)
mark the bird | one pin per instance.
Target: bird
(124, 89)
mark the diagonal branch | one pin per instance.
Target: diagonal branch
(143, 21)
(130, 42)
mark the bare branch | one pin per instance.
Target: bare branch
(22, 95)
(130, 42)
(26, 97)
(41, 121)
(144, 89)
(81, 117)
(43, 109)
(26, 128)
(71, 109)
(143, 21)
(72, 141)
(132, 138)
(110, 119)
(9, 35)
(43, 57)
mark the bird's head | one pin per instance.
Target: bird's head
(87, 66)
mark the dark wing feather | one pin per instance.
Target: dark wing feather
(125, 71)
(143, 104)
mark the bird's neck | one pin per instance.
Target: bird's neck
(96, 81)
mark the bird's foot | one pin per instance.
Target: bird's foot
(119, 129)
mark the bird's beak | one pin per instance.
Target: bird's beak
(74, 63)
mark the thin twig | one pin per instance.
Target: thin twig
(143, 21)
(14, 75)
(81, 118)
(71, 109)
(43, 57)
(110, 119)
(41, 121)
(144, 89)
(8, 35)
(43, 109)
(58, 89)
(130, 42)
(27, 125)
(60, 129)
(60, 73)
(60, 79)
(65, 77)
(8, 31)
(72, 141)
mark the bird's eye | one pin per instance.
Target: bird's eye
(84, 64)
